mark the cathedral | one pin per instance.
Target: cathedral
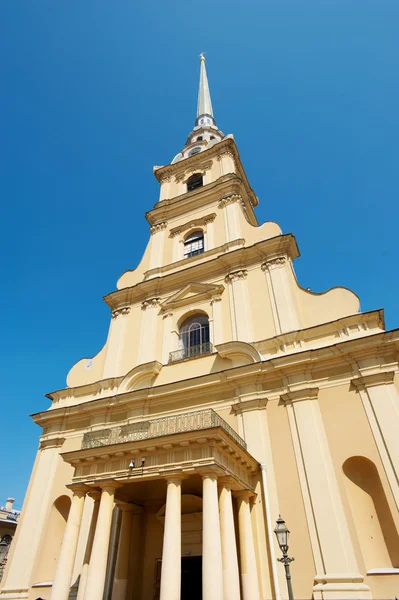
(225, 395)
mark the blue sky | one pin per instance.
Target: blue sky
(95, 93)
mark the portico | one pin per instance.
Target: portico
(190, 464)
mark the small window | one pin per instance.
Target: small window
(194, 182)
(212, 137)
(194, 244)
(194, 151)
(200, 138)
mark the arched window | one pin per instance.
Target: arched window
(200, 138)
(194, 151)
(212, 137)
(194, 244)
(194, 336)
(194, 182)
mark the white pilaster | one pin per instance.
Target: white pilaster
(171, 552)
(158, 233)
(331, 543)
(281, 295)
(212, 566)
(209, 232)
(240, 306)
(148, 333)
(230, 207)
(216, 304)
(167, 337)
(381, 404)
(176, 246)
(115, 344)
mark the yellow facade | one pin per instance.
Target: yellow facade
(225, 395)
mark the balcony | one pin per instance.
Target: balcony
(191, 352)
(153, 428)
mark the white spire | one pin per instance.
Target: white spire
(205, 132)
(204, 106)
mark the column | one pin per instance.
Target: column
(63, 574)
(157, 245)
(176, 245)
(116, 340)
(230, 207)
(148, 333)
(231, 579)
(381, 404)
(167, 337)
(99, 555)
(122, 560)
(335, 561)
(217, 317)
(249, 573)
(89, 545)
(282, 298)
(171, 551)
(240, 306)
(209, 233)
(212, 566)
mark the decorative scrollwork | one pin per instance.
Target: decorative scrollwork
(230, 199)
(150, 303)
(236, 276)
(274, 263)
(158, 227)
(125, 310)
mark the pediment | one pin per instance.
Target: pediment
(191, 293)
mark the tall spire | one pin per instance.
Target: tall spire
(205, 133)
(204, 106)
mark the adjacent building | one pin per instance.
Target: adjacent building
(225, 394)
(8, 524)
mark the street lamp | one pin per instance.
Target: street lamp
(282, 532)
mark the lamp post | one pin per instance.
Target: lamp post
(282, 532)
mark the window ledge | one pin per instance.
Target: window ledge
(43, 584)
(383, 571)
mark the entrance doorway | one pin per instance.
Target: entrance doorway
(191, 578)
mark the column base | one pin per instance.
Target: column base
(337, 586)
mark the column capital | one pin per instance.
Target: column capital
(211, 472)
(78, 489)
(364, 381)
(226, 482)
(175, 477)
(298, 395)
(245, 495)
(109, 485)
(96, 495)
(274, 263)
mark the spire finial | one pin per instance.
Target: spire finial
(204, 98)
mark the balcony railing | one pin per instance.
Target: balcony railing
(191, 351)
(152, 428)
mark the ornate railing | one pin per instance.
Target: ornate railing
(152, 428)
(191, 352)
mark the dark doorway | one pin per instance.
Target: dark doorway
(191, 578)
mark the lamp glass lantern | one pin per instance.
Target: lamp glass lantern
(282, 534)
